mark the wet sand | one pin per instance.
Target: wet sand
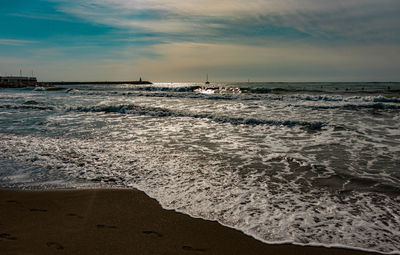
(118, 222)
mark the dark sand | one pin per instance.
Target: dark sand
(118, 222)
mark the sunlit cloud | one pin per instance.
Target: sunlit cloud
(275, 63)
(185, 61)
(171, 40)
(350, 19)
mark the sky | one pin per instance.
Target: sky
(182, 41)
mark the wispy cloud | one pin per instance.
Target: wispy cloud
(182, 40)
(13, 42)
(43, 16)
(321, 19)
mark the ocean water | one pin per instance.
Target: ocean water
(303, 163)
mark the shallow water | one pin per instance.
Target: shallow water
(302, 163)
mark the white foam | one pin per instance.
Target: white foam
(211, 188)
(274, 182)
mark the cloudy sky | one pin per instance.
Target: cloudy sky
(175, 40)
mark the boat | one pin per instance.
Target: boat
(207, 82)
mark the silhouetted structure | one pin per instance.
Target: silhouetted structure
(98, 82)
(17, 81)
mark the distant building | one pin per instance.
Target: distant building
(17, 81)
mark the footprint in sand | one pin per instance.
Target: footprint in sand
(189, 248)
(37, 210)
(153, 233)
(105, 226)
(75, 215)
(7, 236)
(55, 245)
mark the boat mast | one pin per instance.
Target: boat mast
(207, 82)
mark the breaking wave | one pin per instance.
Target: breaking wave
(161, 112)
(190, 92)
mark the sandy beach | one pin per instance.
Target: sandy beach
(118, 222)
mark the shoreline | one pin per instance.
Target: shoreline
(120, 221)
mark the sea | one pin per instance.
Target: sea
(303, 163)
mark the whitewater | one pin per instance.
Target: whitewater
(302, 163)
